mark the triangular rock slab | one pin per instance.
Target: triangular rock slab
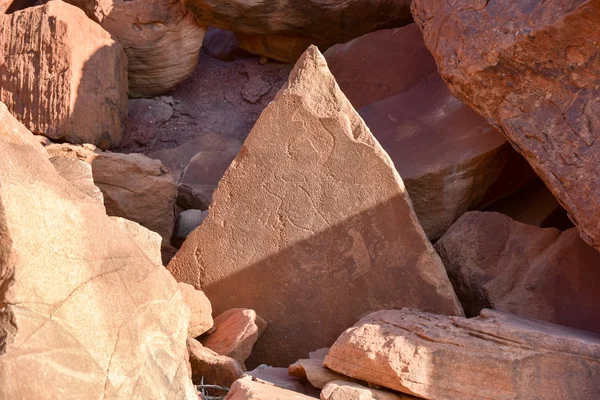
(311, 225)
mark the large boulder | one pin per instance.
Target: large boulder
(63, 76)
(449, 157)
(546, 274)
(380, 64)
(495, 356)
(312, 212)
(532, 70)
(291, 26)
(83, 312)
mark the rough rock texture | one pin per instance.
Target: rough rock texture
(144, 122)
(495, 356)
(278, 46)
(341, 390)
(312, 370)
(135, 187)
(295, 214)
(84, 313)
(148, 241)
(495, 262)
(216, 369)
(200, 310)
(79, 174)
(248, 389)
(380, 64)
(532, 69)
(186, 222)
(449, 157)
(317, 22)
(65, 79)
(236, 332)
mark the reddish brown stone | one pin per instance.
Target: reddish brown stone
(278, 46)
(532, 69)
(210, 367)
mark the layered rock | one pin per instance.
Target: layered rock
(249, 389)
(312, 370)
(65, 79)
(493, 356)
(380, 64)
(537, 80)
(84, 313)
(496, 262)
(295, 214)
(236, 332)
(286, 28)
(449, 157)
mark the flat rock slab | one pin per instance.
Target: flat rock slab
(312, 370)
(495, 356)
(249, 389)
(312, 212)
(531, 68)
(496, 262)
(341, 390)
(63, 76)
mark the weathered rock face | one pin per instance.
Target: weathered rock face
(135, 187)
(14, 131)
(341, 390)
(144, 122)
(216, 369)
(294, 215)
(65, 79)
(79, 174)
(449, 157)
(494, 356)
(149, 242)
(544, 274)
(291, 26)
(312, 370)
(537, 81)
(200, 310)
(380, 64)
(101, 320)
(248, 389)
(236, 332)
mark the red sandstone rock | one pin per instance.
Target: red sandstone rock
(248, 389)
(214, 368)
(342, 390)
(532, 69)
(296, 215)
(282, 47)
(200, 310)
(495, 262)
(65, 79)
(312, 370)
(495, 356)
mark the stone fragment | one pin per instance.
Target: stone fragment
(380, 64)
(494, 356)
(531, 68)
(66, 79)
(496, 262)
(79, 174)
(449, 157)
(200, 310)
(148, 241)
(255, 88)
(236, 332)
(342, 390)
(186, 222)
(248, 389)
(312, 370)
(144, 121)
(83, 312)
(214, 368)
(294, 213)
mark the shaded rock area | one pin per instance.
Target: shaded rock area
(488, 357)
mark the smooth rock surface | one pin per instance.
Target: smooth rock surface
(532, 69)
(66, 79)
(380, 64)
(216, 369)
(496, 262)
(85, 314)
(248, 389)
(495, 356)
(342, 390)
(236, 332)
(200, 310)
(312, 370)
(15, 132)
(149, 242)
(79, 174)
(295, 214)
(279, 377)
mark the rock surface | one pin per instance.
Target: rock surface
(84, 313)
(312, 370)
(186, 222)
(306, 216)
(79, 174)
(495, 262)
(279, 377)
(216, 369)
(281, 47)
(342, 390)
(201, 320)
(149, 242)
(380, 64)
(15, 132)
(222, 45)
(144, 122)
(248, 389)
(449, 157)
(493, 356)
(531, 69)
(236, 332)
(67, 78)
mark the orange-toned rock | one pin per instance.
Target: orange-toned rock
(531, 69)
(380, 64)
(200, 310)
(66, 79)
(546, 274)
(149, 242)
(214, 368)
(248, 389)
(296, 213)
(312, 370)
(282, 47)
(79, 174)
(342, 390)
(494, 356)
(14, 131)
(236, 332)
(83, 312)
(449, 157)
